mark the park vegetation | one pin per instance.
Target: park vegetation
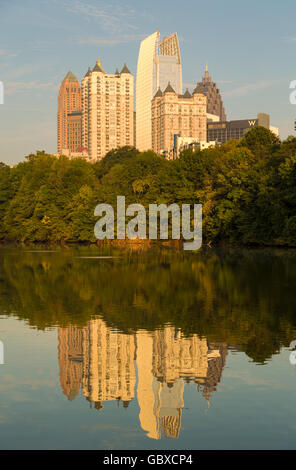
(247, 189)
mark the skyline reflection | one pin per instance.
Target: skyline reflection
(104, 364)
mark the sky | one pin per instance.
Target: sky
(250, 48)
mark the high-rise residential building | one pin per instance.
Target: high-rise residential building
(98, 362)
(107, 110)
(108, 364)
(177, 115)
(69, 114)
(214, 100)
(159, 62)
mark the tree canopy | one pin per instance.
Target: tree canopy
(247, 189)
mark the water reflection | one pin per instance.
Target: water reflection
(133, 330)
(104, 364)
(241, 297)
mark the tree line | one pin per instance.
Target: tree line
(247, 189)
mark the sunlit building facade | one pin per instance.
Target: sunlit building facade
(107, 110)
(159, 62)
(177, 115)
(69, 135)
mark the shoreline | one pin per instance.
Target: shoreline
(144, 244)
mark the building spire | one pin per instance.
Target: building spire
(125, 69)
(98, 67)
(169, 88)
(206, 78)
(70, 76)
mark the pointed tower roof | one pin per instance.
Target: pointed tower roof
(206, 78)
(98, 67)
(125, 69)
(187, 94)
(169, 89)
(116, 72)
(71, 77)
(198, 89)
(158, 93)
(88, 72)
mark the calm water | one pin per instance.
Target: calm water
(113, 349)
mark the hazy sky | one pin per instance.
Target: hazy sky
(250, 47)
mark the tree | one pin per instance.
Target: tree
(260, 141)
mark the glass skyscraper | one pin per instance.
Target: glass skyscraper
(159, 62)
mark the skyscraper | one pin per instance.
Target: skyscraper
(107, 110)
(159, 62)
(68, 118)
(214, 99)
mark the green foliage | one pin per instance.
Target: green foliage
(260, 140)
(223, 295)
(247, 189)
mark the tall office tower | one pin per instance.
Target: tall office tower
(70, 360)
(208, 88)
(177, 115)
(69, 102)
(107, 110)
(74, 131)
(158, 63)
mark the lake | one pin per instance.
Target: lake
(108, 348)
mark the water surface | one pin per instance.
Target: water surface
(156, 349)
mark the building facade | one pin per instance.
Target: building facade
(174, 114)
(214, 99)
(107, 110)
(74, 131)
(158, 63)
(221, 132)
(69, 115)
(183, 143)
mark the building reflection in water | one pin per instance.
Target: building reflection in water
(101, 362)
